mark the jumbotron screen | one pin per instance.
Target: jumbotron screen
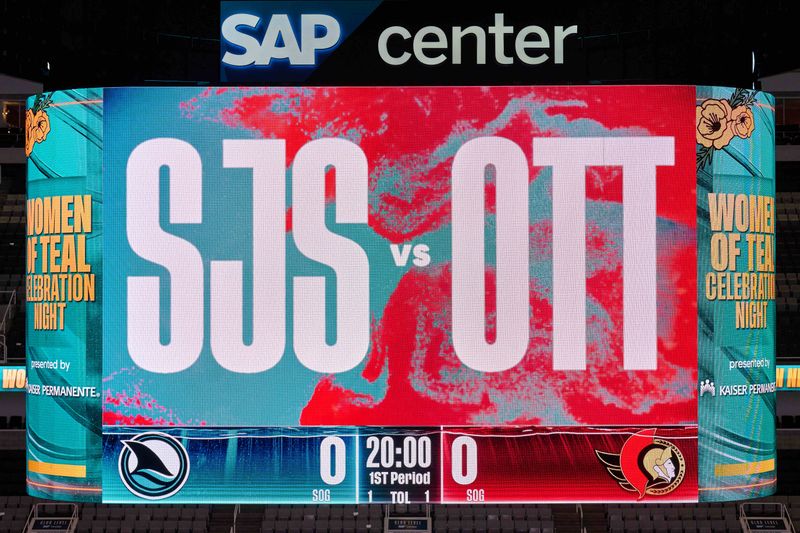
(401, 294)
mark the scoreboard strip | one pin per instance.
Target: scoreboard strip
(394, 465)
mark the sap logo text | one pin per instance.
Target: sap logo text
(279, 41)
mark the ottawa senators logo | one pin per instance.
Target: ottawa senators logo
(646, 465)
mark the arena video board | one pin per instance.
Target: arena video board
(401, 294)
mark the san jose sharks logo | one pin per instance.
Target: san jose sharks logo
(153, 465)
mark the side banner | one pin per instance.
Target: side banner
(63, 292)
(736, 219)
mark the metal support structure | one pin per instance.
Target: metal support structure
(765, 518)
(399, 520)
(40, 520)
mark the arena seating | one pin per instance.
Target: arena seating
(788, 270)
(12, 479)
(12, 271)
(615, 518)
(12, 138)
(664, 519)
(308, 518)
(12, 422)
(114, 518)
(787, 134)
(517, 518)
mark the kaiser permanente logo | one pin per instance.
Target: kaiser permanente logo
(276, 34)
(708, 388)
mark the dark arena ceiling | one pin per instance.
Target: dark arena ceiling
(80, 43)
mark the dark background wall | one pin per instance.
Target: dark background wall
(126, 42)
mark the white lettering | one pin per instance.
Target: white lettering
(179, 257)
(279, 41)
